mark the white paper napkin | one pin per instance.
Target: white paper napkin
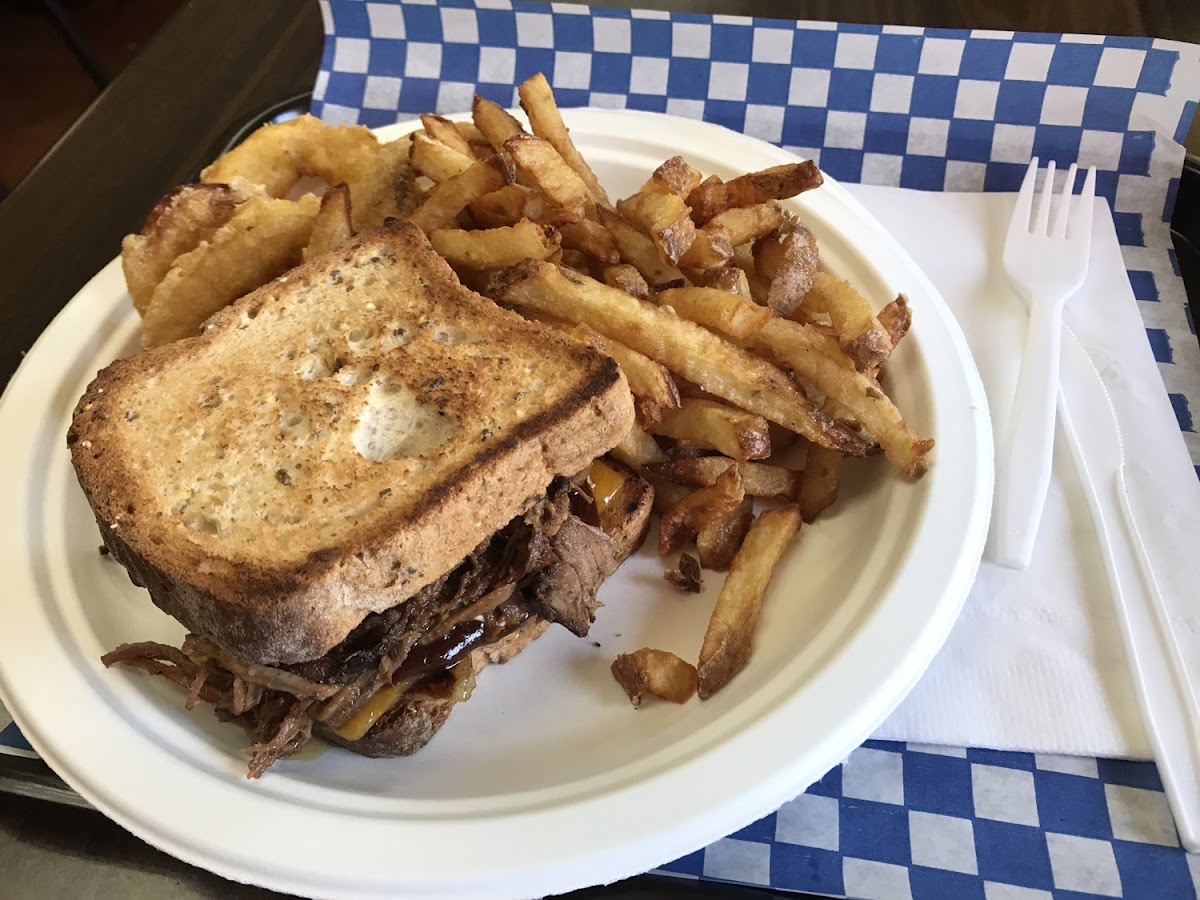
(1035, 661)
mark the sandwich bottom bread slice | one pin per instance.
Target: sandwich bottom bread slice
(355, 488)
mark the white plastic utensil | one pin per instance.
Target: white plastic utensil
(1045, 266)
(1165, 694)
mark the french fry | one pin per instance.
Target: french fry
(665, 218)
(657, 672)
(473, 136)
(816, 358)
(514, 202)
(666, 493)
(746, 223)
(448, 199)
(713, 197)
(699, 509)
(862, 336)
(806, 351)
(494, 248)
(738, 318)
(628, 279)
(331, 228)
(445, 132)
(791, 266)
(437, 161)
(636, 248)
(730, 633)
(730, 279)
(546, 121)
(593, 239)
(721, 368)
(646, 377)
(494, 122)
(758, 479)
(710, 249)
(896, 319)
(674, 176)
(819, 481)
(542, 162)
(638, 450)
(709, 423)
(719, 542)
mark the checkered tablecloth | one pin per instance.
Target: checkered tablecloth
(935, 110)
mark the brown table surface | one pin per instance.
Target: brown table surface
(217, 65)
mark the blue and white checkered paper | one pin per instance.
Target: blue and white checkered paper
(919, 108)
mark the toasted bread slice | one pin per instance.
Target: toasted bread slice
(333, 442)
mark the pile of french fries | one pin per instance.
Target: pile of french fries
(736, 346)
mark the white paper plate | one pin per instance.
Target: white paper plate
(547, 780)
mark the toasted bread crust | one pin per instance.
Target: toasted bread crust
(273, 590)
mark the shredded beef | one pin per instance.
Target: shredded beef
(546, 563)
(565, 590)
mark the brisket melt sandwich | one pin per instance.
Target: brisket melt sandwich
(355, 488)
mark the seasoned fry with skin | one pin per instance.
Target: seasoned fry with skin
(687, 349)
(593, 239)
(862, 336)
(713, 196)
(665, 218)
(747, 223)
(710, 423)
(819, 482)
(718, 543)
(637, 249)
(739, 318)
(791, 266)
(730, 279)
(674, 176)
(896, 319)
(759, 479)
(730, 634)
(331, 227)
(711, 249)
(816, 358)
(699, 509)
(387, 188)
(494, 248)
(646, 377)
(514, 202)
(638, 450)
(495, 122)
(657, 672)
(444, 131)
(470, 131)
(628, 279)
(437, 161)
(546, 121)
(448, 199)
(539, 159)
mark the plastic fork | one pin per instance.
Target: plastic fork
(1046, 265)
